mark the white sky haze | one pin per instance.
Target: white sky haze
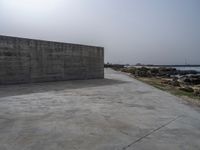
(132, 31)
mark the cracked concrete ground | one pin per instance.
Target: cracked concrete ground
(117, 113)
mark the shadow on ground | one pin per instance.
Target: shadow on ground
(21, 89)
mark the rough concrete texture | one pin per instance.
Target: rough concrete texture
(26, 60)
(116, 113)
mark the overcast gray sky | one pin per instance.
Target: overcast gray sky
(132, 31)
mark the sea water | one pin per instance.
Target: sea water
(188, 68)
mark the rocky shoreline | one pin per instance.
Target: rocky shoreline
(183, 82)
(187, 80)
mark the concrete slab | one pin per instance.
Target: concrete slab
(116, 113)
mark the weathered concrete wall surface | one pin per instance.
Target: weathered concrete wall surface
(26, 60)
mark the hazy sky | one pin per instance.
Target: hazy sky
(132, 31)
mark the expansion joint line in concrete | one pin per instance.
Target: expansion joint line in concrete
(151, 132)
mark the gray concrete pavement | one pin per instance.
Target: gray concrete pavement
(117, 113)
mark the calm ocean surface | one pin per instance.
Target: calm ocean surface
(178, 68)
(188, 68)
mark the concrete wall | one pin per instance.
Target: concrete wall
(25, 61)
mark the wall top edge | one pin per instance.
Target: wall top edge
(39, 40)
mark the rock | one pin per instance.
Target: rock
(175, 83)
(143, 72)
(165, 81)
(166, 72)
(191, 79)
(187, 89)
(197, 92)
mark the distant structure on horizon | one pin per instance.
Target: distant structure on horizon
(26, 60)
